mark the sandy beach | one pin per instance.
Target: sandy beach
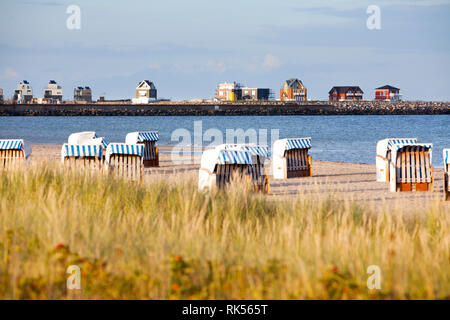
(355, 181)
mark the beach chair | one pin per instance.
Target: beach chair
(148, 139)
(446, 154)
(13, 153)
(258, 172)
(290, 158)
(384, 155)
(219, 166)
(410, 167)
(125, 160)
(83, 155)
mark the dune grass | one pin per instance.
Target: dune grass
(162, 239)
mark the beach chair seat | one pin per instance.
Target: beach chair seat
(82, 155)
(13, 153)
(446, 154)
(125, 160)
(149, 140)
(291, 158)
(410, 168)
(384, 155)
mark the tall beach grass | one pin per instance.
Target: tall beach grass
(163, 239)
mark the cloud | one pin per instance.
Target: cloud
(9, 74)
(271, 62)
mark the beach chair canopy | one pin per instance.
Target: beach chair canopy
(81, 150)
(115, 148)
(141, 136)
(213, 157)
(283, 145)
(252, 148)
(446, 155)
(16, 144)
(86, 137)
(385, 145)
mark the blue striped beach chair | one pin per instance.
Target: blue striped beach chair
(291, 159)
(125, 160)
(259, 155)
(218, 167)
(84, 155)
(13, 153)
(446, 154)
(410, 167)
(149, 140)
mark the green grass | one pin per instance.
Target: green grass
(163, 239)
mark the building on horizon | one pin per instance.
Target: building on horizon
(233, 91)
(23, 93)
(82, 94)
(146, 90)
(387, 93)
(345, 93)
(1, 95)
(53, 91)
(293, 90)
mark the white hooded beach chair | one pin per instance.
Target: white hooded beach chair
(384, 156)
(219, 166)
(149, 140)
(446, 154)
(290, 158)
(125, 160)
(259, 154)
(13, 152)
(410, 167)
(84, 149)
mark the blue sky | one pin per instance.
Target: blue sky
(187, 47)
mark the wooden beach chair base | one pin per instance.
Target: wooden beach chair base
(225, 173)
(11, 159)
(414, 186)
(127, 166)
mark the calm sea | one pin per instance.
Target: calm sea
(334, 138)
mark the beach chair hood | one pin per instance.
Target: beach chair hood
(283, 145)
(254, 149)
(141, 136)
(446, 155)
(81, 150)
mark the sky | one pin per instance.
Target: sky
(187, 47)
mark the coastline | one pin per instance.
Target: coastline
(268, 108)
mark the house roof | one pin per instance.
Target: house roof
(344, 89)
(387, 87)
(293, 83)
(147, 82)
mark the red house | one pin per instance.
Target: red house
(345, 93)
(387, 93)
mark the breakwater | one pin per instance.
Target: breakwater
(269, 108)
